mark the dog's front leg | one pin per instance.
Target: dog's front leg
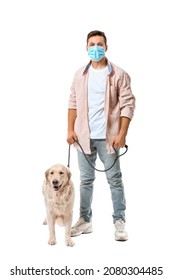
(51, 223)
(68, 222)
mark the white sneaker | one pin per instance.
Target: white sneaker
(81, 227)
(120, 233)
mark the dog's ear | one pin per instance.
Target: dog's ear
(68, 173)
(46, 174)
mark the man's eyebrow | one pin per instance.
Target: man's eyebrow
(97, 42)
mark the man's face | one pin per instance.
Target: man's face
(96, 41)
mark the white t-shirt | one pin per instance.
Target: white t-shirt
(96, 101)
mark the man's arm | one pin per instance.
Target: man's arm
(120, 140)
(71, 135)
(127, 106)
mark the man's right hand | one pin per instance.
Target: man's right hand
(71, 137)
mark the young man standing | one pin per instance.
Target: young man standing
(101, 106)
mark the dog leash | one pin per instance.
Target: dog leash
(99, 170)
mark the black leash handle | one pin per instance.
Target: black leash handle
(99, 170)
(68, 164)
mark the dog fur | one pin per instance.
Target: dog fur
(58, 191)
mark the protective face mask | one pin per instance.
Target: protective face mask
(96, 53)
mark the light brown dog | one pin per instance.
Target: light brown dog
(58, 191)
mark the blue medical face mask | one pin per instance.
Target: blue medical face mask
(96, 53)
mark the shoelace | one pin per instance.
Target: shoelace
(119, 225)
(79, 222)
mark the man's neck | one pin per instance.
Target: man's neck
(99, 64)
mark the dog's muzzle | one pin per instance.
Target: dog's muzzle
(56, 185)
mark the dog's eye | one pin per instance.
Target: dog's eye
(61, 173)
(51, 173)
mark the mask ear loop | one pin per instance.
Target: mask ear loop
(99, 170)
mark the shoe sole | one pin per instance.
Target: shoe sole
(79, 233)
(121, 239)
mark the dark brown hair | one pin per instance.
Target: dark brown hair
(96, 33)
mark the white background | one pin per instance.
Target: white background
(42, 44)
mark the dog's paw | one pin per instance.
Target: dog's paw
(52, 241)
(69, 242)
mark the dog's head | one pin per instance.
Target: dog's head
(57, 176)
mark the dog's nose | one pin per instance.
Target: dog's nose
(55, 182)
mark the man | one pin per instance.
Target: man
(100, 109)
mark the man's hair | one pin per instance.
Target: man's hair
(96, 33)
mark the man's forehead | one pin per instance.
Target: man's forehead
(96, 38)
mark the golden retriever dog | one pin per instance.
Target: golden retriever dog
(58, 191)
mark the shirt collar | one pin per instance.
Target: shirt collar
(89, 64)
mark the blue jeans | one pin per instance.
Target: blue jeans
(87, 177)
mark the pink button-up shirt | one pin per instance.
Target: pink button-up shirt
(119, 102)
